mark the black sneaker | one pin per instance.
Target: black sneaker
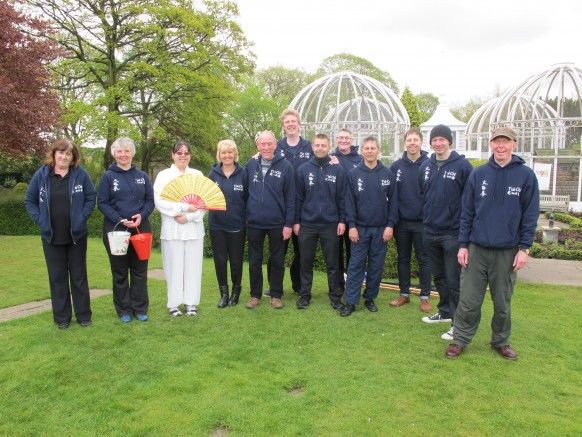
(347, 309)
(371, 306)
(85, 323)
(436, 318)
(302, 303)
(335, 305)
(63, 325)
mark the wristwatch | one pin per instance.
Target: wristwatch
(526, 250)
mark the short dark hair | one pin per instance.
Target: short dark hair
(62, 144)
(413, 131)
(321, 137)
(371, 139)
(179, 145)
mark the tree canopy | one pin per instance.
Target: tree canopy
(145, 64)
(28, 106)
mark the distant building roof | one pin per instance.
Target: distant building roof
(443, 115)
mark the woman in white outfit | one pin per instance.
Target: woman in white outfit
(182, 238)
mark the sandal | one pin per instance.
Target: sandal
(191, 310)
(175, 312)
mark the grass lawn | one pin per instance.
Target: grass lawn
(269, 372)
(24, 275)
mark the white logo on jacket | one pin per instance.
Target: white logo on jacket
(78, 189)
(513, 191)
(42, 194)
(256, 177)
(140, 181)
(426, 173)
(385, 182)
(398, 174)
(310, 179)
(116, 185)
(304, 155)
(360, 185)
(330, 178)
(275, 173)
(449, 175)
(237, 187)
(483, 188)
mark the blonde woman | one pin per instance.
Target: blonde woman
(182, 238)
(228, 229)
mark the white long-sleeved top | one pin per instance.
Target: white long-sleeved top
(171, 229)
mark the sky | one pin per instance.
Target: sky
(456, 50)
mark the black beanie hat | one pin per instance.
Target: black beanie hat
(440, 130)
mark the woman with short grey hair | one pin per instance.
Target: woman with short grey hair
(126, 198)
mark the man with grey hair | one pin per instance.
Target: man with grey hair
(270, 212)
(498, 222)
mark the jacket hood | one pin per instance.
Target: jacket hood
(453, 157)
(515, 160)
(117, 169)
(217, 168)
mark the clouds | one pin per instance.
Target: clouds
(454, 48)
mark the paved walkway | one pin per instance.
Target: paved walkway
(541, 271)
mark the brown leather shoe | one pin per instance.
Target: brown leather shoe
(453, 351)
(252, 303)
(399, 301)
(425, 306)
(276, 303)
(506, 352)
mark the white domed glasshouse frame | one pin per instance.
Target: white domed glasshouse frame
(354, 101)
(546, 112)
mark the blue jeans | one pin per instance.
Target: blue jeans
(442, 250)
(371, 249)
(407, 235)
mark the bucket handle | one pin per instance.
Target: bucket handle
(117, 224)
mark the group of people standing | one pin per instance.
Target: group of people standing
(469, 228)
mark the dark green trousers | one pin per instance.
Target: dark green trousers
(493, 267)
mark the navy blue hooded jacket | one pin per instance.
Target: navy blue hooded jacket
(371, 197)
(442, 190)
(349, 161)
(320, 190)
(271, 200)
(82, 198)
(235, 193)
(500, 206)
(409, 198)
(296, 155)
(124, 193)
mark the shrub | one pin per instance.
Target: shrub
(572, 220)
(20, 188)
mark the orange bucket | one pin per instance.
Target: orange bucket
(142, 244)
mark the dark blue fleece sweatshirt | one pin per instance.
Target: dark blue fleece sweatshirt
(409, 198)
(371, 197)
(124, 193)
(441, 190)
(82, 201)
(296, 155)
(349, 161)
(500, 206)
(235, 193)
(320, 190)
(271, 200)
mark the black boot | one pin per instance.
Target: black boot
(235, 295)
(223, 296)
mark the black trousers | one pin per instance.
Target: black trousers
(228, 248)
(407, 235)
(275, 266)
(295, 268)
(130, 279)
(345, 251)
(308, 237)
(67, 272)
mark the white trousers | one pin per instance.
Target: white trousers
(182, 261)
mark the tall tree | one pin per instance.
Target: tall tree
(146, 58)
(28, 106)
(282, 84)
(410, 103)
(465, 111)
(348, 62)
(426, 104)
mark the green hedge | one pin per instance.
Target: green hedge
(572, 220)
